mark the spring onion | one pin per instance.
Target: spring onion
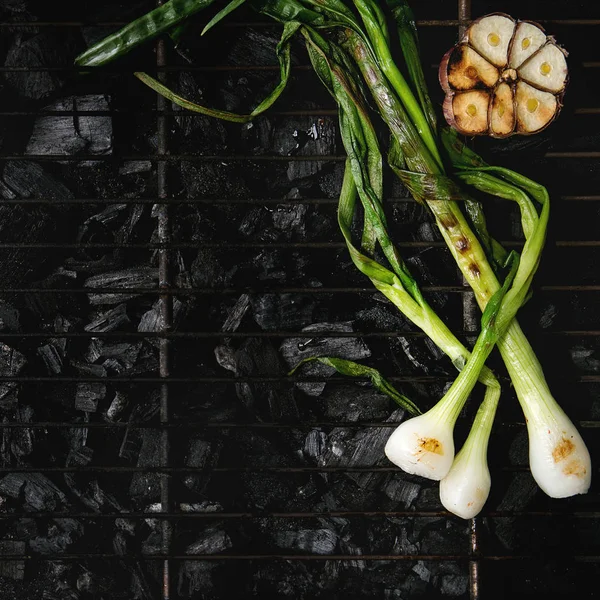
(350, 50)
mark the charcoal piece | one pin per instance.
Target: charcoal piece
(134, 277)
(274, 312)
(290, 218)
(152, 320)
(12, 569)
(89, 370)
(117, 406)
(53, 356)
(146, 485)
(236, 314)
(211, 133)
(9, 317)
(88, 395)
(311, 541)
(132, 167)
(125, 353)
(80, 457)
(88, 134)
(21, 440)
(26, 529)
(196, 577)
(28, 180)
(62, 533)
(11, 364)
(355, 403)
(205, 507)
(201, 454)
(358, 448)
(294, 350)
(110, 320)
(213, 540)
(519, 493)
(212, 180)
(401, 491)
(38, 53)
(315, 444)
(253, 221)
(587, 360)
(454, 585)
(37, 490)
(208, 272)
(299, 171)
(258, 357)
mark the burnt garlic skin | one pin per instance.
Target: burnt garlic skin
(505, 77)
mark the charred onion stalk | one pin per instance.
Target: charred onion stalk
(421, 154)
(505, 77)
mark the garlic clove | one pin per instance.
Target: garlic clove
(547, 69)
(535, 109)
(466, 70)
(502, 111)
(491, 36)
(468, 111)
(528, 38)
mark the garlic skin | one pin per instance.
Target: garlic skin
(466, 488)
(559, 459)
(423, 446)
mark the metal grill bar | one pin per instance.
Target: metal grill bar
(242, 24)
(323, 158)
(229, 201)
(166, 315)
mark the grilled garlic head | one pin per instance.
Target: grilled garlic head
(506, 77)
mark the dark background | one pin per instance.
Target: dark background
(277, 469)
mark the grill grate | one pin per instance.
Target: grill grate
(474, 554)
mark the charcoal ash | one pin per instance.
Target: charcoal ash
(293, 350)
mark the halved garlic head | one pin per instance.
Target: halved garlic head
(506, 77)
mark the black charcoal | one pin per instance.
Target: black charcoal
(311, 541)
(9, 317)
(76, 134)
(201, 454)
(135, 277)
(118, 404)
(152, 320)
(273, 312)
(11, 364)
(212, 541)
(146, 485)
(116, 318)
(40, 52)
(358, 448)
(88, 396)
(36, 489)
(356, 403)
(62, 533)
(12, 569)
(402, 491)
(294, 350)
(53, 356)
(28, 180)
